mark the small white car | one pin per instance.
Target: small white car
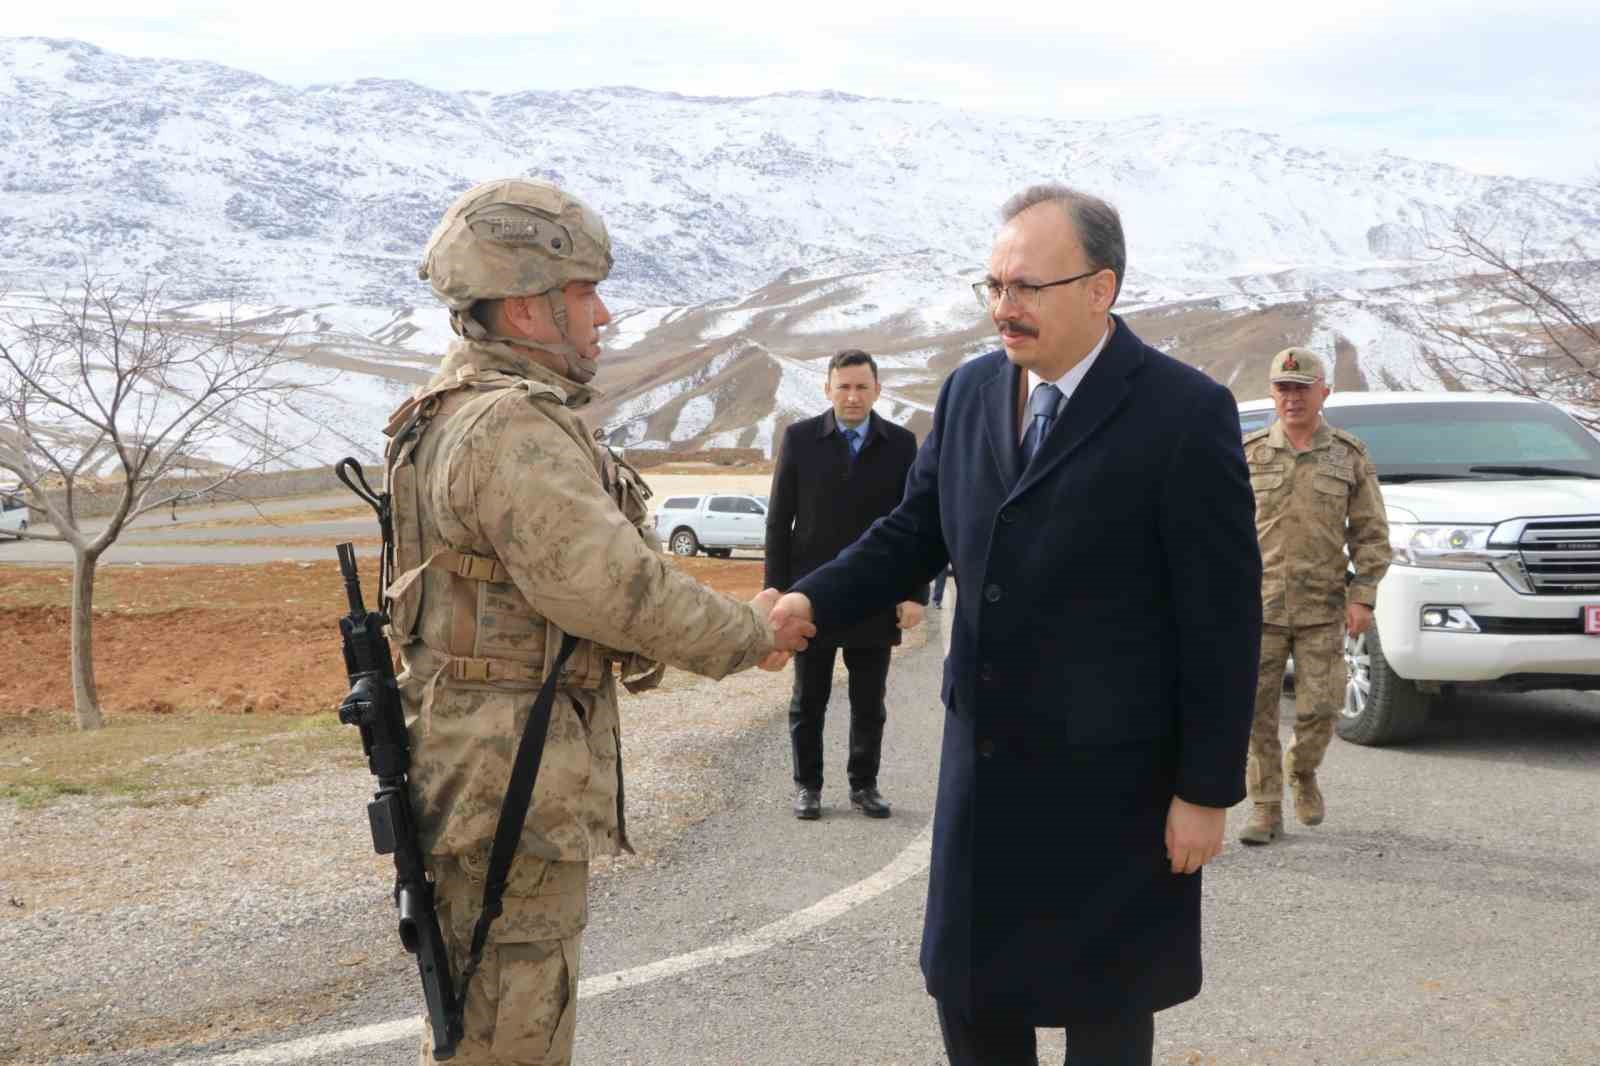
(1494, 521)
(715, 523)
(13, 514)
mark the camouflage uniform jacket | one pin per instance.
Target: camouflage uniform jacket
(1309, 506)
(512, 527)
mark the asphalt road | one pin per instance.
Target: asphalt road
(154, 539)
(1444, 914)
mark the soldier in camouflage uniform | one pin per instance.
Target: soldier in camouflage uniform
(512, 527)
(1316, 492)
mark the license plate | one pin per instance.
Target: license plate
(1591, 621)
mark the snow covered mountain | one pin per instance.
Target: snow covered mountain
(753, 236)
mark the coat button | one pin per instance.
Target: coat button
(1008, 516)
(992, 593)
(986, 749)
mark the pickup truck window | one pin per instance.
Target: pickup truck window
(724, 504)
(680, 503)
(1448, 440)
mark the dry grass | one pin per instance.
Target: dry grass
(158, 759)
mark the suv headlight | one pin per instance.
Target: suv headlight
(1449, 547)
(1446, 547)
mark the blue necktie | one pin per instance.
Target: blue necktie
(1042, 406)
(852, 437)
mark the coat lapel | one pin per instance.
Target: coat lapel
(997, 397)
(1097, 398)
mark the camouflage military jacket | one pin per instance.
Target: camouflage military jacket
(1310, 506)
(511, 528)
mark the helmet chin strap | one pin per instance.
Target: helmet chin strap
(580, 368)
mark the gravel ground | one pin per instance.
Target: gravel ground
(1444, 916)
(126, 926)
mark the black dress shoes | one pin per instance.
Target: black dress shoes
(869, 802)
(808, 804)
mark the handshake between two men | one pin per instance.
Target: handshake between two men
(789, 617)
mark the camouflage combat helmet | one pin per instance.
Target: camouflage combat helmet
(516, 237)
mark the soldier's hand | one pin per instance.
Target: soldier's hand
(1194, 835)
(909, 614)
(775, 662)
(790, 619)
(1357, 619)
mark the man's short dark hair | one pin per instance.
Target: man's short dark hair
(1097, 222)
(852, 357)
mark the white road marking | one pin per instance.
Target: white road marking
(911, 861)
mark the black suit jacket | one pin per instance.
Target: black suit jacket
(821, 502)
(1103, 659)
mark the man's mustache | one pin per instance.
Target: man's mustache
(1016, 327)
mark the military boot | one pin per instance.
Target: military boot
(1264, 825)
(1308, 805)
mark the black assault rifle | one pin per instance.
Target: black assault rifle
(373, 704)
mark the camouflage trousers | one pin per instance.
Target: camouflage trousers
(522, 1004)
(1319, 683)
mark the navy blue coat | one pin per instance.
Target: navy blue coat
(1103, 659)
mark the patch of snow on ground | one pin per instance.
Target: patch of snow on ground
(693, 418)
(1381, 346)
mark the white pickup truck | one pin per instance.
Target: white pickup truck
(1494, 519)
(714, 523)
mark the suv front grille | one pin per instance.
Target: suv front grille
(1562, 555)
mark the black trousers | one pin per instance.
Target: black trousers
(1126, 1041)
(813, 684)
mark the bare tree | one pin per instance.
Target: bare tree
(103, 394)
(1523, 321)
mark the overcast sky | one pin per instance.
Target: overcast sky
(1495, 88)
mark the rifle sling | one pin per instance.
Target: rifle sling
(514, 812)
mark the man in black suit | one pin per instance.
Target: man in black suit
(1093, 497)
(838, 473)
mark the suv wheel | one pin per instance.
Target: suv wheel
(683, 542)
(1380, 706)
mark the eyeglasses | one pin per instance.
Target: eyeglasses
(989, 292)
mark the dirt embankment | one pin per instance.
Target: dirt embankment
(236, 639)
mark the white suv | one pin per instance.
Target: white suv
(715, 523)
(13, 513)
(1494, 519)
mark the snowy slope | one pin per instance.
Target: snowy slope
(754, 237)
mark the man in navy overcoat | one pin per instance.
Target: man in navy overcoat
(1092, 496)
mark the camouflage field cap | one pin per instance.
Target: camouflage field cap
(1299, 365)
(513, 237)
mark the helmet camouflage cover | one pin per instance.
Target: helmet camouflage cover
(513, 237)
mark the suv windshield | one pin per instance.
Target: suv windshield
(1449, 440)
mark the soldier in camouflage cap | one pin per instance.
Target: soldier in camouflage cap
(1316, 492)
(512, 527)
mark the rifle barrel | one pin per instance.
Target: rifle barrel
(352, 578)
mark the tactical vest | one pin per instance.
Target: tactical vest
(590, 663)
